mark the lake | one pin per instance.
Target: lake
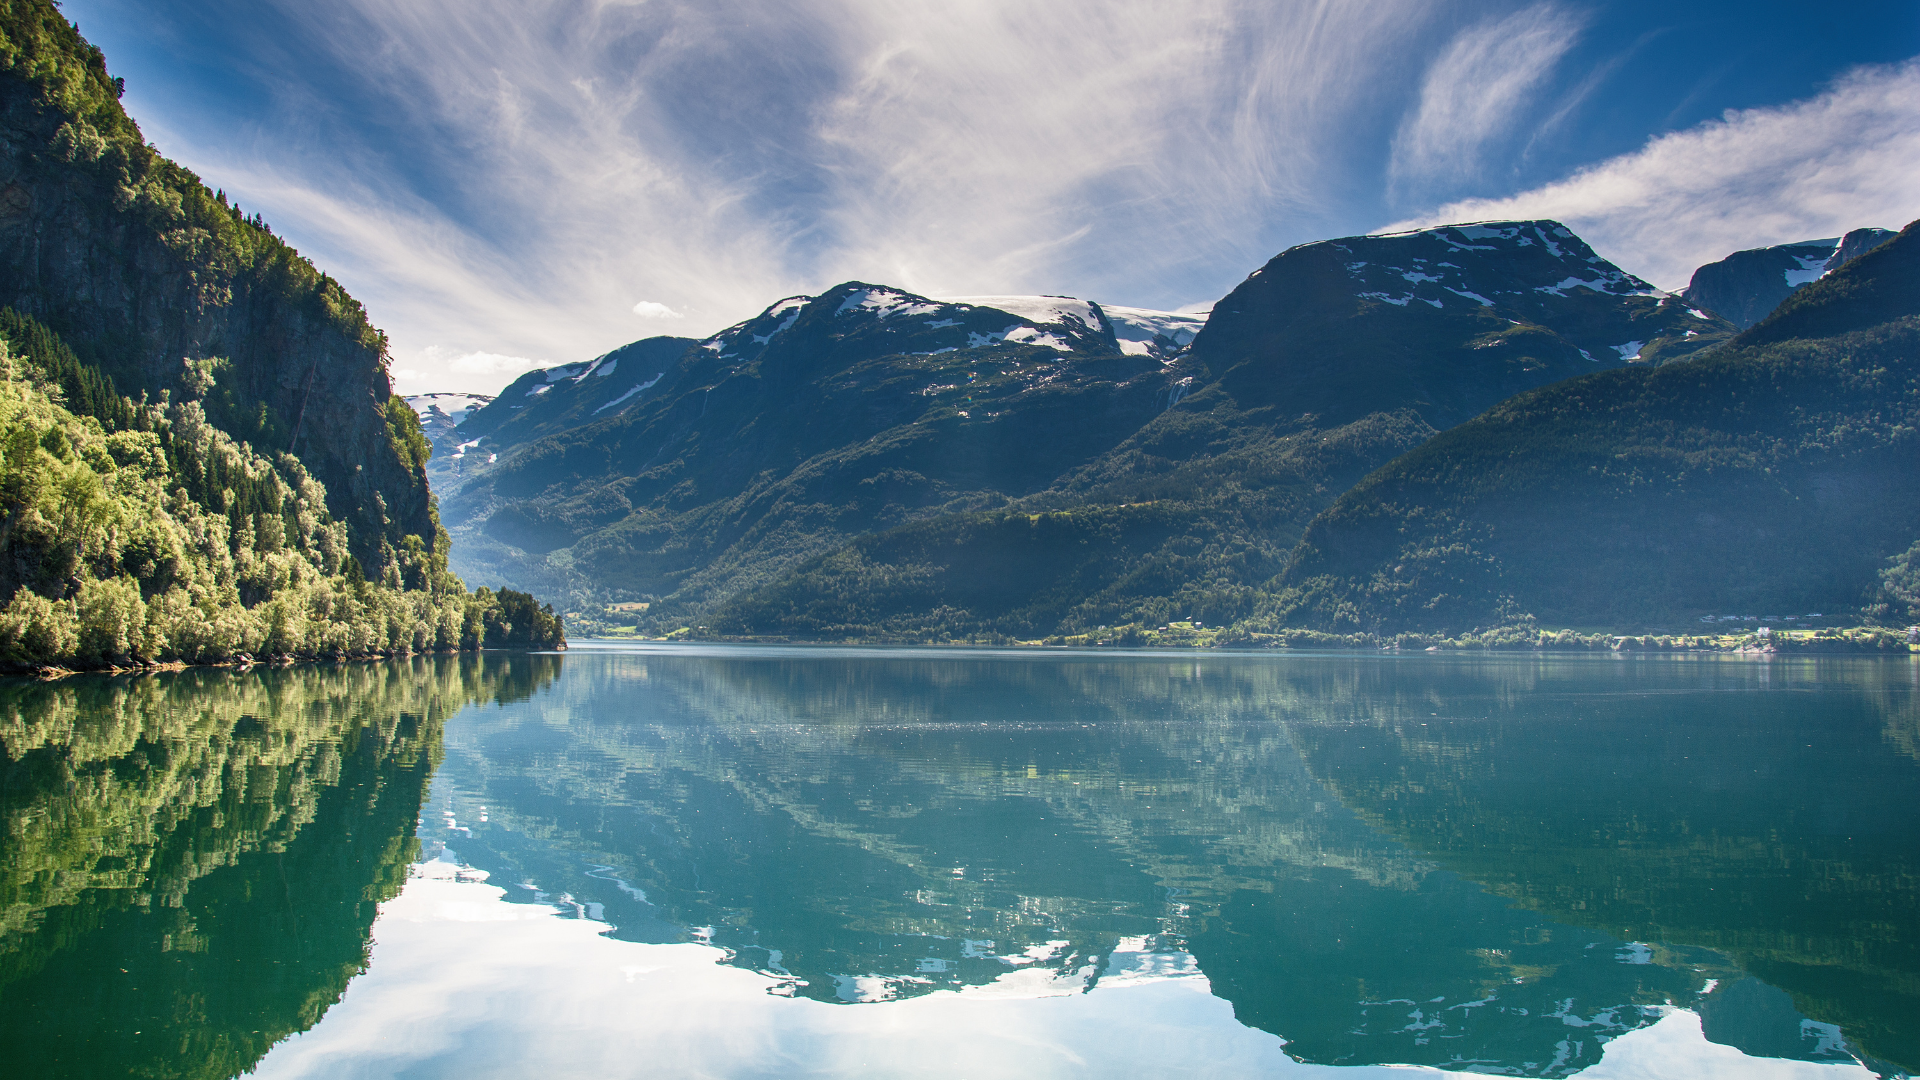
(695, 861)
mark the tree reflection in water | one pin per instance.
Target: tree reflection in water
(193, 859)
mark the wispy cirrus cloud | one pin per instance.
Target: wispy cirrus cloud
(1479, 89)
(536, 165)
(1845, 158)
(547, 179)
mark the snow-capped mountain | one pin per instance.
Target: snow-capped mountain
(440, 414)
(690, 471)
(851, 322)
(898, 321)
(453, 407)
(1445, 321)
(1746, 286)
(553, 399)
(1136, 331)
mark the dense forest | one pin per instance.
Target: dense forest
(137, 532)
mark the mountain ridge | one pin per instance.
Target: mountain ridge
(1654, 497)
(1277, 403)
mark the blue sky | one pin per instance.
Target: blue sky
(516, 183)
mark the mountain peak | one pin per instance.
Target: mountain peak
(882, 319)
(1541, 257)
(1443, 320)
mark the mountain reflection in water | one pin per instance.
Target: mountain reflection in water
(1493, 864)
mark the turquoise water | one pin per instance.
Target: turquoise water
(691, 861)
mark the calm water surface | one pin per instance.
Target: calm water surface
(723, 862)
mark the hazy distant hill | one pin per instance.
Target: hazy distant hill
(1746, 286)
(1774, 474)
(440, 415)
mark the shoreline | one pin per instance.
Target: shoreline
(1847, 641)
(246, 662)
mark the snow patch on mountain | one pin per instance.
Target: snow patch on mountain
(886, 303)
(1027, 335)
(1815, 258)
(567, 371)
(623, 397)
(1138, 331)
(1520, 256)
(1144, 332)
(1036, 309)
(453, 406)
(791, 307)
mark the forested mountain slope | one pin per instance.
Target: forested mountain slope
(200, 453)
(1773, 474)
(164, 285)
(824, 417)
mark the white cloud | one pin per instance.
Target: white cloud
(1846, 158)
(438, 369)
(546, 160)
(1479, 89)
(647, 309)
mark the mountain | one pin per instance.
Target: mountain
(1771, 474)
(1326, 363)
(554, 399)
(1442, 322)
(1747, 285)
(821, 418)
(200, 453)
(167, 287)
(727, 481)
(440, 414)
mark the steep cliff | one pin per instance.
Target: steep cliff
(168, 288)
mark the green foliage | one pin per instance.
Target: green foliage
(38, 44)
(957, 576)
(137, 265)
(403, 430)
(1899, 599)
(87, 391)
(168, 540)
(516, 618)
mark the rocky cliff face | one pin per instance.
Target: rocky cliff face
(1747, 285)
(154, 278)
